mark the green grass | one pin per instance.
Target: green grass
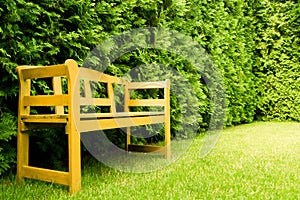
(255, 161)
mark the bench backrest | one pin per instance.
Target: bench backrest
(89, 76)
(80, 79)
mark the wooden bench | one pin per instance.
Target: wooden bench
(77, 123)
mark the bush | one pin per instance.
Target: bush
(278, 52)
(38, 33)
(8, 128)
(254, 46)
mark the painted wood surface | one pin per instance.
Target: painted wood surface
(77, 123)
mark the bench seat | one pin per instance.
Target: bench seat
(63, 117)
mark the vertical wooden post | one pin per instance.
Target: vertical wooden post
(87, 89)
(22, 153)
(74, 160)
(126, 109)
(110, 94)
(22, 137)
(167, 120)
(56, 82)
(73, 134)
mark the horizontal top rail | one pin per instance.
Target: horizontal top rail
(147, 85)
(96, 76)
(30, 72)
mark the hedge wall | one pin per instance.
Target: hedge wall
(278, 60)
(254, 45)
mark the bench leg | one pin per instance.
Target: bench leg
(128, 141)
(22, 153)
(167, 140)
(74, 161)
(167, 120)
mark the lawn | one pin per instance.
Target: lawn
(254, 161)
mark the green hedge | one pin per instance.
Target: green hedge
(254, 45)
(278, 60)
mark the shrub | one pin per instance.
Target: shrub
(254, 46)
(8, 128)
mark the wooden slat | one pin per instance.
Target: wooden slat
(46, 175)
(24, 90)
(89, 74)
(146, 85)
(47, 118)
(52, 118)
(111, 96)
(57, 89)
(146, 148)
(46, 100)
(87, 89)
(44, 71)
(103, 124)
(96, 76)
(127, 109)
(110, 79)
(44, 120)
(119, 114)
(95, 101)
(146, 102)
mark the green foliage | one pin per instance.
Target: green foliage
(278, 66)
(254, 46)
(39, 33)
(8, 127)
(224, 30)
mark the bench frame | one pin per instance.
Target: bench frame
(73, 121)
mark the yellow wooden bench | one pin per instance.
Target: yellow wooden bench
(75, 122)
